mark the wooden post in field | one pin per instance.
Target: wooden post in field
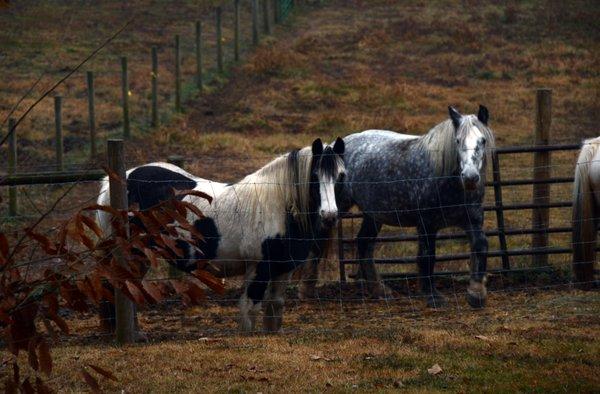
(219, 28)
(12, 167)
(277, 11)
(177, 74)
(266, 16)
(125, 94)
(236, 30)
(199, 55)
(254, 22)
(59, 135)
(179, 162)
(154, 118)
(124, 307)
(541, 170)
(91, 114)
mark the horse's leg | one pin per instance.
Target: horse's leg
(248, 307)
(366, 246)
(426, 264)
(273, 303)
(310, 270)
(477, 292)
(309, 278)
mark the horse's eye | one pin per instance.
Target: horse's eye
(483, 141)
(342, 177)
(457, 141)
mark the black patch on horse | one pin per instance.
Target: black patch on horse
(281, 254)
(148, 186)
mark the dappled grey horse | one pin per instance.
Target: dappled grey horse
(429, 182)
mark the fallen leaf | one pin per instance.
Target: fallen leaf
(398, 384)
(314, 357)
(435, 369)
(482, 337)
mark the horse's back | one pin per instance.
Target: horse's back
(150, 184)
(376, 134)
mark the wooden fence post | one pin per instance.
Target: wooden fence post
(199, 55)
(91, 114)
(124, 307)
(154, 119)
(125, 94)
(236, 32)
(12, 168)
(541, 170)
(219, 28)
(254, 22)
(499, 210)
(177, 74)
(59, 135)
(277, 11)
(266, 16)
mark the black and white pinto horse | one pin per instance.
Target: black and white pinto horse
(262, 227)
(429, 182)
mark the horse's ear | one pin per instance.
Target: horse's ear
(455, 116)
(317, 147)
(339, 146)
(483, 115)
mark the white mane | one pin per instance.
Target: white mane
(284, 182)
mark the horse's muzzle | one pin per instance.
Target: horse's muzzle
(471, 182)
(329, 220)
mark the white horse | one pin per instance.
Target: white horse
(586, 211)
(263, 227)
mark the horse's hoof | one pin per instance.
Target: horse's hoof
(306, 294)
(436, 301)
(476, 295)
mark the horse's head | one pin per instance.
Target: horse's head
(473, 137)
(327, 169)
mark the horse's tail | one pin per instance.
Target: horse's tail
(584, 226)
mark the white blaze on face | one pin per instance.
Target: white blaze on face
(471, 153)
(329, 209)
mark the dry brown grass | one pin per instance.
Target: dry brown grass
(526, 342)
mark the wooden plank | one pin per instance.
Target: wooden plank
(540, 216)
(154, 122)
(219, 28)
(58, 138)
(236, 30)
(91, 114)
(124, 307)
(254, 22)
(125, 98)
(177, 74)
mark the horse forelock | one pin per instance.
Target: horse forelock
(440, 143)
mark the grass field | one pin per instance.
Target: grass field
(330, 70)
(525, 341)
